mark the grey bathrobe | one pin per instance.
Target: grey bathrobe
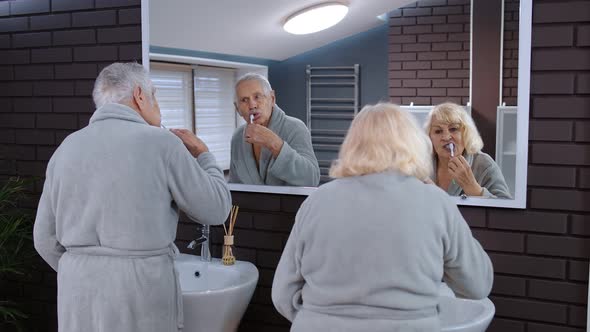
(107, 220)
(487, 174)
(296, 164)
(368, 253)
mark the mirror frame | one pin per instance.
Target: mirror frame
(522, 119)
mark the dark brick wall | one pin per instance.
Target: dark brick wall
(510, 53)
(429, 52)
(50, 54)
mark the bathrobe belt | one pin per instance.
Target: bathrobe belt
(361, 312)
(171, 251)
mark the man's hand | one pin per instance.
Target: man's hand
(462, 173)
(194, 144)
(257, 134)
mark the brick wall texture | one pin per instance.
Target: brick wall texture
(429, 44)
(50, 53)
(48, 60)
(510, 53)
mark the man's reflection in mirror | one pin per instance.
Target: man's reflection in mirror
(272, 148)
(460, 167)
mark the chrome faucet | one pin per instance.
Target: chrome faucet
(204, 242)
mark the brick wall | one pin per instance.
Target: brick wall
(50, 54)
(510, 53)
(429, 52)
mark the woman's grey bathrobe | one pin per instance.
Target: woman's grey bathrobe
(487, 174)
(296, 164)
(107, 220)
(368, 253)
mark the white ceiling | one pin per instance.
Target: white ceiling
(253, 28)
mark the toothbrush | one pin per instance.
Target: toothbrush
(451, 148)
(251, 118)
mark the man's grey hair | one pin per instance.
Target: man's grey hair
(116, 82)
(264, 83)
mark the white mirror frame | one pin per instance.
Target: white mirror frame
(522, 120)
(522, 117)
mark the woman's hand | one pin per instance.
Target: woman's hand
(193, 144)
(461, 172)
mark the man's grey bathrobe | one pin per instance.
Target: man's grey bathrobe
(368, 253)
(296, 164)
(487, 174)
(107, 220)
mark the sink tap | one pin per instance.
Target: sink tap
(204, 242)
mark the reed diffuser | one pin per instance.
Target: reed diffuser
(228, 240)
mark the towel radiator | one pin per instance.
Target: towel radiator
(332, 101)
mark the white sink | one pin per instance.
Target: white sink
(214, 296)
(462, 315)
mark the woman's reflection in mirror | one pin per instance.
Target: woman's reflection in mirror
(459, 165)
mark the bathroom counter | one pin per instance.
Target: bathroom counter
(280, 190)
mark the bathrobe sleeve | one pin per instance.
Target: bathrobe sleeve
(296, 163)
(288, 280)
(44, 230)
(490, 178)
(198, 186)
(468, 270)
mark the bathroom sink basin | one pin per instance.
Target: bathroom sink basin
(463, 315)
(215, 296)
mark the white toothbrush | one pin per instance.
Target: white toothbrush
(451, 148)
(251, 118)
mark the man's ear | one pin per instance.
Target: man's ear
(272, 97)
(139, 98)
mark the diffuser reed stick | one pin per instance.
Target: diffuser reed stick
(228, 240)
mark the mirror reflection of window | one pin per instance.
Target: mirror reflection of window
(199, 99)
(215, 117)
(173, 92)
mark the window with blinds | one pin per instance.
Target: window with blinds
(215, 116)
(173, 91)
(198, 98)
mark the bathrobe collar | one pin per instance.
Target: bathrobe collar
(116, 111)
(258, 175)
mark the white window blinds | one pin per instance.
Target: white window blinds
(215, 118)
(174, 95)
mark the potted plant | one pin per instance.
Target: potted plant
(16, 229)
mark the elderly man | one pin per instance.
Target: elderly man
(272, 148)
(108, 214)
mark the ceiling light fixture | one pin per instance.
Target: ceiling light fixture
(315, 18)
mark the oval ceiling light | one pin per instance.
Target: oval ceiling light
(315, 18)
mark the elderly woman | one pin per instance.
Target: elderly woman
(460, 168)
(368, 250)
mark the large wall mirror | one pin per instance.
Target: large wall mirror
(416, 54)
